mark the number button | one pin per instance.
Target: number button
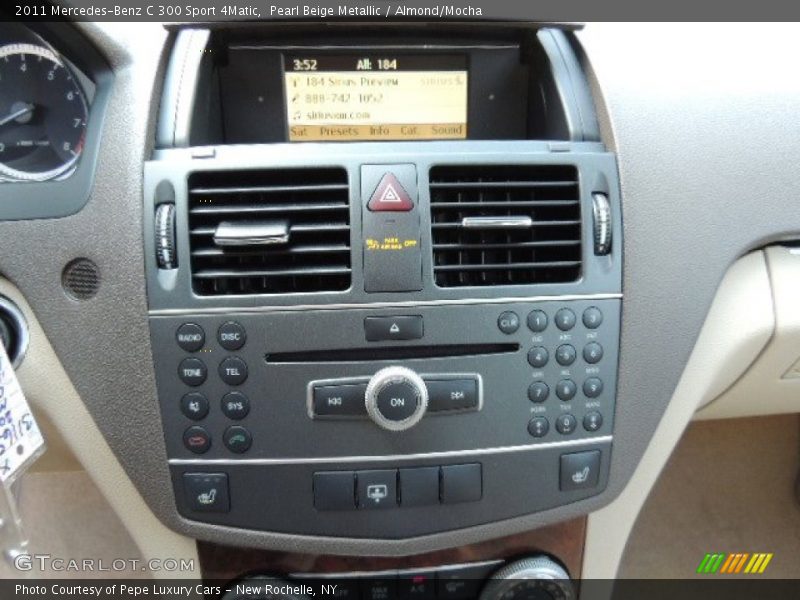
(537, 321)
(592, 387)
(592, 317)
(565, 355)
(565, 319)
(538, 357)
(566, 424)
(566, 389)
(538, 391)
(592, 353)
(538, 427)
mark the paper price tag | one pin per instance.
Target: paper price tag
(21, 441)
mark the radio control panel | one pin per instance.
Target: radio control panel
(408, 408)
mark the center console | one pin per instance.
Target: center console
(384, 279)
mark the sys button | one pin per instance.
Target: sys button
(381, 329)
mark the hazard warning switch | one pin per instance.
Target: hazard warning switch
(390, 196)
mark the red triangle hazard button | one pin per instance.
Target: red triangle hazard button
(390, 196)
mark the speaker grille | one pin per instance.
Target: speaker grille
(81, 278)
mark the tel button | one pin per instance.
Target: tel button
(233, 370)
(190, 337)
(231, 335)
(192, 371)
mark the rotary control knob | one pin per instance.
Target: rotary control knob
(535, 578)
(396, 398)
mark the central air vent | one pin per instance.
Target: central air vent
(505, 225)
(269, 232)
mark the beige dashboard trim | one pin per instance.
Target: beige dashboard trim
(726, 346)
(772, 384)
(50, 391)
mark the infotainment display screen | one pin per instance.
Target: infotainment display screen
(350, 97)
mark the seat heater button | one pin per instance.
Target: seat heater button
(190, 337)
(580, 470)
(207, 492)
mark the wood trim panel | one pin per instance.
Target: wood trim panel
(562, 540)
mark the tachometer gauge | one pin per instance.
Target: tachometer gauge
(43, 114)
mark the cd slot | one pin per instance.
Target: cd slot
(389, 353)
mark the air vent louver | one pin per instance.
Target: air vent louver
(245, 209)
(505, 225)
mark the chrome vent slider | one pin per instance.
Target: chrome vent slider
(252, 233)
(601, 211)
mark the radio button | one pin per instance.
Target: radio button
(508, 322)
(233, 370)
(566, 389)
(537, 321)
(192, 371)
(190, 337)
(566, 424)
(195, 406)
(538, 391)
(538, 426)
(592, 353)
(235, 405)
(592, 387)
(592, 317)
(237, 439)
(538, 357)
(231, 336)
(452, 394)
(197, 439)
(381, 329)
(566, 355)
(565, 319)
(339, 400)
